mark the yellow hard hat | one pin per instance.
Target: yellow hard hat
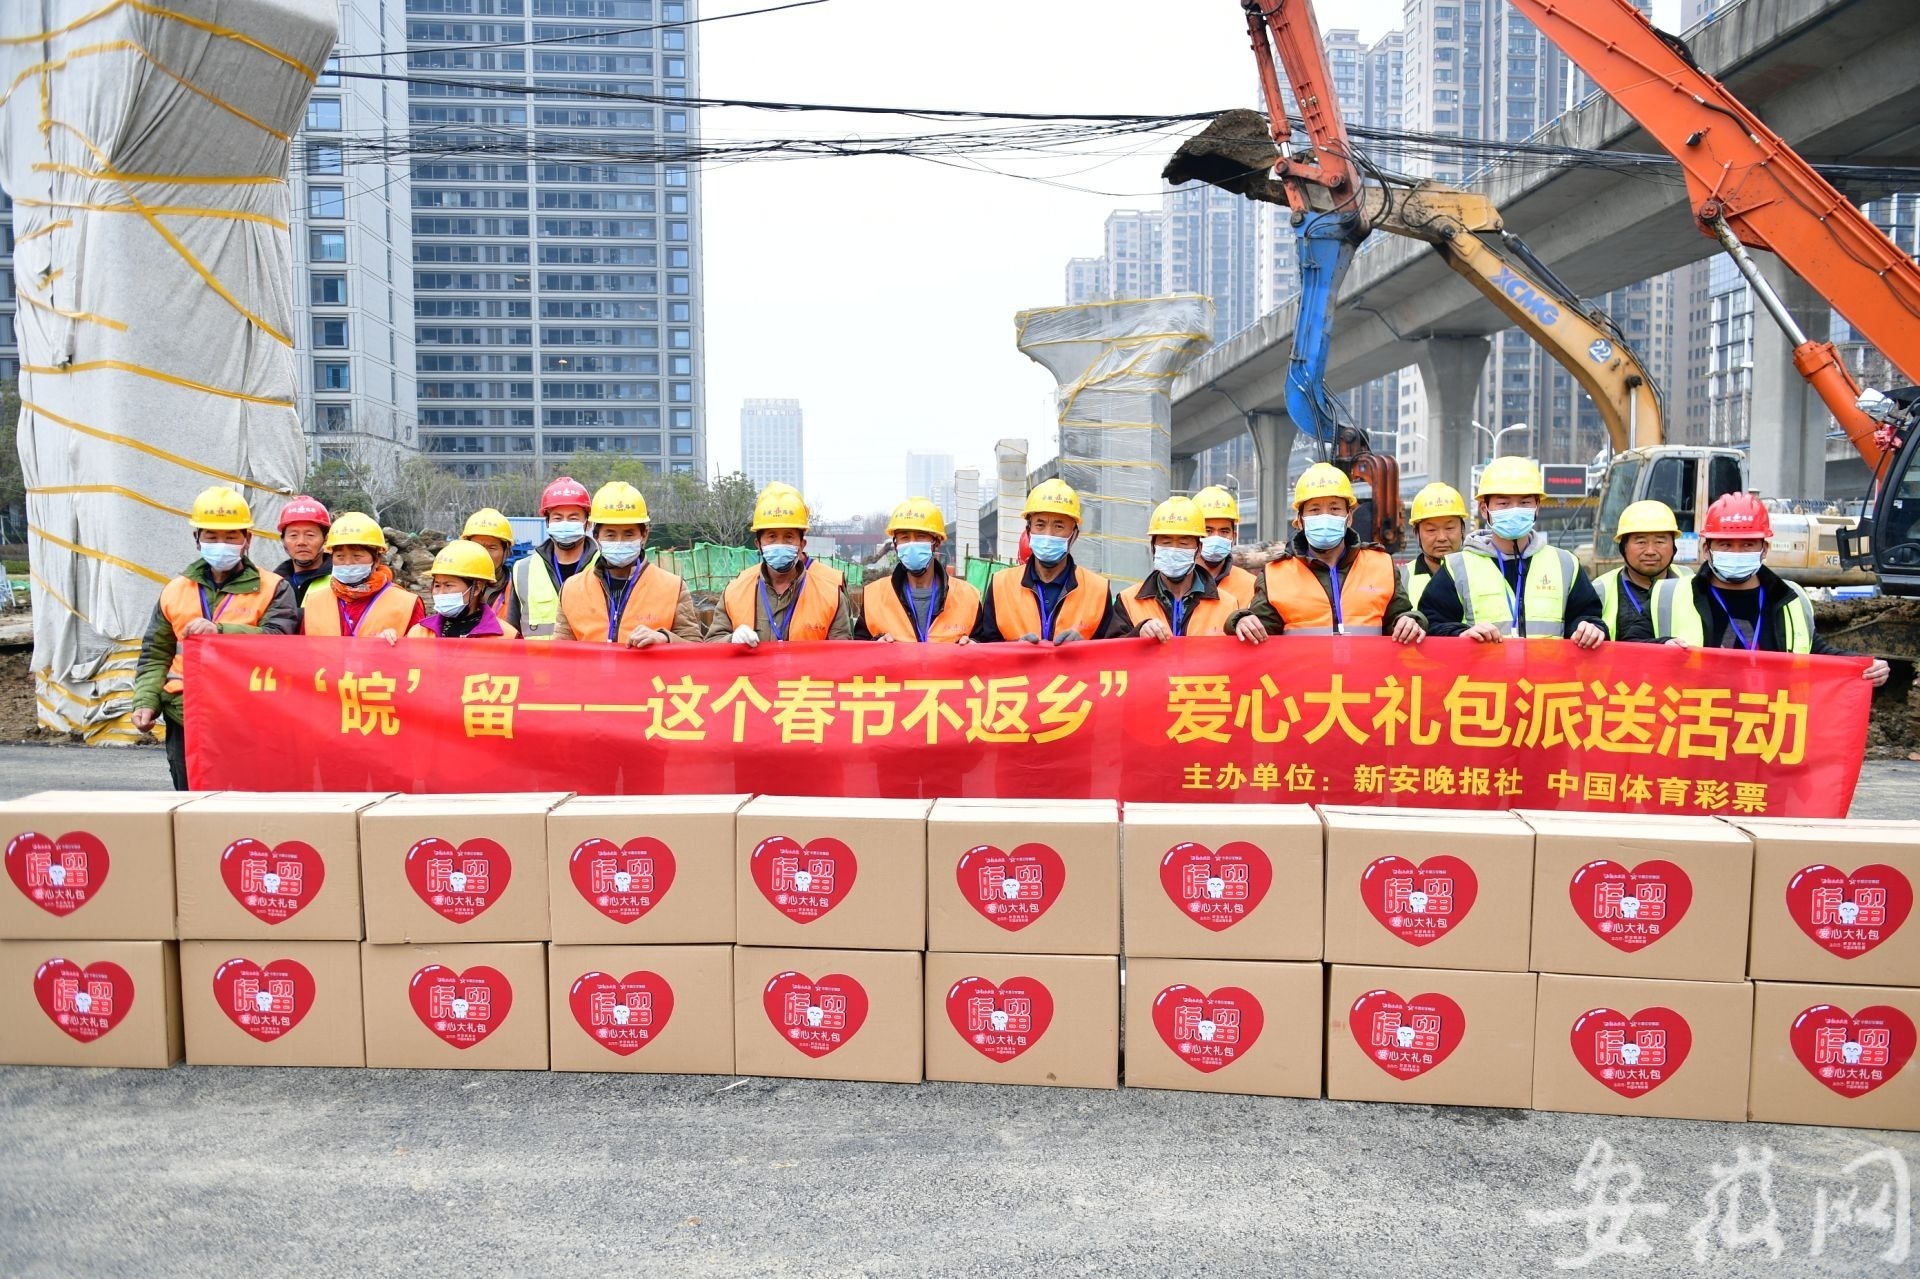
(222, 508)
(618, 502)
(780, 506)
(1177, 517)
(487, 522)
(1053, 497)
(355, 529)
(1511, 477)
(917, 515)
(464, 559)
(1322, 479)
(1437, 501)
(1216, 503)
(1647, 517)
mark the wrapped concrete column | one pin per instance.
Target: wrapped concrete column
(145, 148)
(1115, 362)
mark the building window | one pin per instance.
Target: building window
(681, 258)
(680, 312)
(326, 202)
(329, 332)
(327, 290)
(333, 418)
(330, 74)
(683, 419)
(327, 246)
(676, 68)
(332, 375)
(682, 365)
(683, 392)
(323, 157)
(323, 113)
(683, 446)
(676, 121)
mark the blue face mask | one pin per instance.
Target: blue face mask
(449, 603)
(1737, 566)
(1048, 549)
(1324, 532)
(1215, 549)
(620, 554)
(221, 557)
(780, 557)
(352, 574)
(915, 557)
(1514, 523)
(567, 532)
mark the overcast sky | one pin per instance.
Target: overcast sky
(880, 291)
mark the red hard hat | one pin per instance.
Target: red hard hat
(1737, 516)
(304, 510)
(565, 491)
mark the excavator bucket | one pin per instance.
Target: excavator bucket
(1234, 153)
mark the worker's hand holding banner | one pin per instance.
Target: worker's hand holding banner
(1628, 728)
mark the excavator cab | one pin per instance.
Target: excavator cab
(1686, 479)
(1888, 543)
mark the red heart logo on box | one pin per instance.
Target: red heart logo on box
(462, 1008)
(1419, 904)
(1000, 1022)
(57, 875)
(622, 1014)
(1631, 1055)
(459, 883)
(622, 881)
(1849, 914)
(1208, 1031)
(815, 1017)
(1406, 1037)
(1852, 1053)
(803, 883)
(1011, 889)
(1216, 890)
(272, 883)
(265, 1000)
(1630, 909)
(85, 1002)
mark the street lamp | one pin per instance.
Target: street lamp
(1496, 436)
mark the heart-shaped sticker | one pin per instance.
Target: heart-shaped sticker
(803, 882)
(1208, 1031)
(1011, 889)
(85, 1002)
(1419, 904)
(265, 1000)
(622, 881)
(1631, 1055)
(1849, 914)
(622, 1014)
(1000, 1022)
(1852, 1053)
(458, 883)
(1630, 909)
(816, 1017)
(1216, 890)
(1406, 1037)
(273, 882)
(462, 1008)
(57, 875)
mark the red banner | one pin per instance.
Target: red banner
(1340, 720)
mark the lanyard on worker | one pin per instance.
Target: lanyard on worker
(920, 626)
(1626, 588)
(617, 608)
(351, 625)
(1179, 614)
(1040, 596)
(1748, 642)
(1339, 622)
(774, 624)
(1514, 596)
(209, 609)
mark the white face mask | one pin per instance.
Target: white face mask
(1215, 549)
(620, 554)
(449, 603)
(1737, 566)
(221, 557)
(352, 574)
(1169, 562)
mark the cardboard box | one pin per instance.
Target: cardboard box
(94, 865)
(90, 1003)
(1833, 901)
(1211, 1025)
(1443, 1037)
(259, 865)
(827, 1014)
(661, 1010)
(474, 1007)
(456, 868)
(1024, 1019)
(1623, 895)
(1029, 877)
(829, 872)
(1428, 888)
(642, 869)
(273, 1003)
(1617, 1046)
(1836, 1055)
(1223, 882)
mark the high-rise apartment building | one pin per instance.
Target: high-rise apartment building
(773, 443)
(1135, 253)
(1086, 280)
(930, 475)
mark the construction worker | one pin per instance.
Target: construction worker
(492, 532)
(1506, 581)
(787, 596)
(919, 601)
(1049, 599)
(1221, 510)
(462, 573)
(1177, 597)
(622, 599)
(360, 598)
(533, 604)
(1736, 601)
(1328, 582)
(1439, 519)
(303, 535)
(1646, 537)
(221, 593)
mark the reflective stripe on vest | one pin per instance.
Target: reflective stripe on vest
(1298, 595)
(1414, 575)
(538, 595)
(812, 614)
(391, 610)
(1608, 587)
(1676, 615)
(180, 603)
(654, 599)
(1487, 596)
(1206, 617)
(1016, 612)
(880, 606)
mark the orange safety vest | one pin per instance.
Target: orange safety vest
(1017, 612)
(392, 609)
(813, 611)
(1207, 617)
(1238, 583)
(1366, 588)
(651, 601)
(886, 615)
(181, 603)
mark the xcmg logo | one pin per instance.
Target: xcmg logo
(1529, 299)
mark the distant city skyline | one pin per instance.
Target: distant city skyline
(773, 442)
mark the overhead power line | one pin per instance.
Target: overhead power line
(585, 35)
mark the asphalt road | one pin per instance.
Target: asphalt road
(314, 1173)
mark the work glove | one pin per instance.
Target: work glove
(745, 635)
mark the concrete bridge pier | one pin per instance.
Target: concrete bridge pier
(1789, 422)
(1273, 436)
(1450, 368)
